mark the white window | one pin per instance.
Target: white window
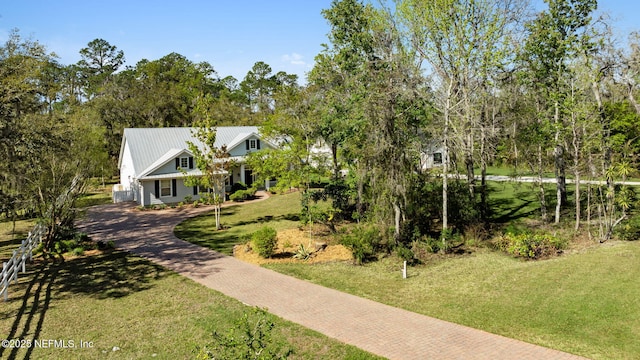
(252, 144)
(184, 162)
(165, 188)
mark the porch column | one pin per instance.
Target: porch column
(242, 174)
(266, 184)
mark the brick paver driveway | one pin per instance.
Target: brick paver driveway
(378, 328)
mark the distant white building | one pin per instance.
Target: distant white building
(431, 155)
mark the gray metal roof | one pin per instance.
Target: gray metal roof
(147, 145)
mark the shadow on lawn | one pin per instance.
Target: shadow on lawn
(267, 219)
(523, 202)
(109, 275)
(38, 290)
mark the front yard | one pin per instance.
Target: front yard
(120, 306)
(583, 302)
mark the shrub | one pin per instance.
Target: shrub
(531, 246)
(78, 251)
(303, 253)
(363, 242)
(237, 196)
(81, 237)
(64, 246)
(250, 338)
(242, 195)
(405, 254)
(188, 199)
(265, 241)
(238, 186)
(629, 230)
(429, 244)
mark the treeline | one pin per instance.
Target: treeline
(490, 82)
(62, 124)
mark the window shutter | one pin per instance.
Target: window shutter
(195, 190)
(173, 187)
(190, 162)
(177, 163)
(258, 144)
(157, 189)
(247, 143)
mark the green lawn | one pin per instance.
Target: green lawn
(523, 171)
(511, 201)
(10, 241)
(582, 303)
(278, 211)
(95, 197)
(116, 300)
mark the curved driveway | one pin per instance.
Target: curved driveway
(377, 328)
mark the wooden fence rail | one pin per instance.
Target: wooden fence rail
(18, 260)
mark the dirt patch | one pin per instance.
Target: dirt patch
(289, 242)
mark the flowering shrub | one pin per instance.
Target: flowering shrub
(531, 246)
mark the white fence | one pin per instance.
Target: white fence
(120, 194)
(18, 260)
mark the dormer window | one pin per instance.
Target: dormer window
(252, 144)
(184, 162)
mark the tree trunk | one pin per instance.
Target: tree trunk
(445, 158)
(216, 211)
(471, 179)
(558, 154)
(543, 201)
(397, 213)
(577, 196)
(334, 157)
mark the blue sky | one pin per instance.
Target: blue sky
(230, 35)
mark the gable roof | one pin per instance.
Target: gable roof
(168, 156)
(148, 146)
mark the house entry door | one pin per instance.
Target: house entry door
(248, 178)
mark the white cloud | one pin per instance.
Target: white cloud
(294, 59)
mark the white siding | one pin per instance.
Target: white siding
(241, 149)
(127, 171)
(149, 198)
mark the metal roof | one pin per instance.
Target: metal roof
(148, 145)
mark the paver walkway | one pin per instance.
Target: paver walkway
(377, 328)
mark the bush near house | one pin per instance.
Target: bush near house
(242, 195)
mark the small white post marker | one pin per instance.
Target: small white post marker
(404, 270)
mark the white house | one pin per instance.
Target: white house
(151, 160)
(431, 155)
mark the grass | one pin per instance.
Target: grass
(583, 303)
(524, 171)
(10, 241)
(96, 195)
(115, 300)
(240, 221)
(511, 201)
